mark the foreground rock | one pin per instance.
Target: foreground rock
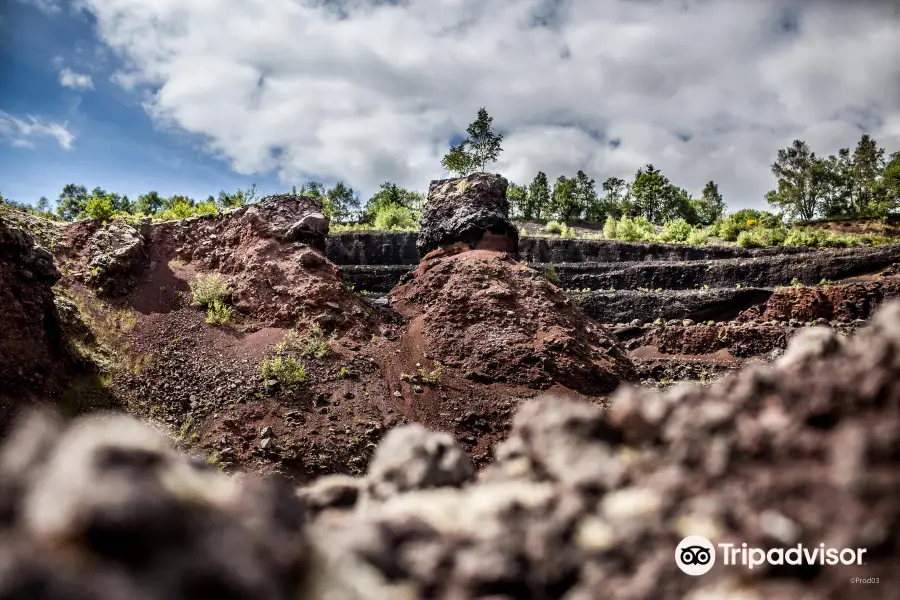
(499, 321)
(471, 210)
(32, 350)
(580, 503)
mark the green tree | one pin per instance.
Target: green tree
(313, 189)
(517, 196)
(475, 152)
(868, 163)
(538, 204)
(340, 202)
(564, 200)
(457, 161)
(149, 203)
(615, 195)
(588, 201)
(43, 204)
(99, 206)
(799, 187)
(71, 201)
(390, 193)
(650, 192)
(711, 206)
(888, 190)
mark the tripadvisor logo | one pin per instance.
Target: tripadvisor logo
(696, 555)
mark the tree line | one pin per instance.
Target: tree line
(857, 183)
(861, 182)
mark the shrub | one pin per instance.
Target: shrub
(749, 239)
(609, 228)
(218, 313)
(637, 229)
(207, 289)
(677, 230)
(99, 207)
(394, 216)
(551, 274)
(729, 230)
(557, 227)
(286, 372)
(312, 344)
(698, 237)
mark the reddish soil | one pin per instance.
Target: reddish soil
(498, 321)
(839, 302)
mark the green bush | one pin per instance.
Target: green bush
(698, 237)
(286, 372)
(749, 239)
(312, 344)
(637, 229)
(395, 216)
(208, 289)
(99, 207)
(677, 230)
(557, 227)
(609, 228)
(218, 313)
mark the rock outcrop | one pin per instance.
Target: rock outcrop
(499, 321)
(581, 502)
(844, 302)
(115, 258)
(273, 256)
(31, 346)
(472, 210)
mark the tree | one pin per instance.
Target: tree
(340, 202)
(538, 204)
(649, 193)
(149, 203)
(564, 201)
(889, 185)
(517, 196)
(71, 201)
(710, 207)
(475, 152)
(392, 194)
(615, 193)
(458, 161)
(799, 187)
(587, 199)
(868, 163)
(43, 204)
(313, 189)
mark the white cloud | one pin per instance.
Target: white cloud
(22, 132)
(77, 81)
(369, 90)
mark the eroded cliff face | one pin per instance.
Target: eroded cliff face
(32, 350)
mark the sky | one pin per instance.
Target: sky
(197, 96)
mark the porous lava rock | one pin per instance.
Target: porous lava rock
(500, 321)
(106, 509)
(31, 342)
(115, 258)
(472, 210)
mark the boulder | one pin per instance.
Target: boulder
(472, 210)
(116, 257)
